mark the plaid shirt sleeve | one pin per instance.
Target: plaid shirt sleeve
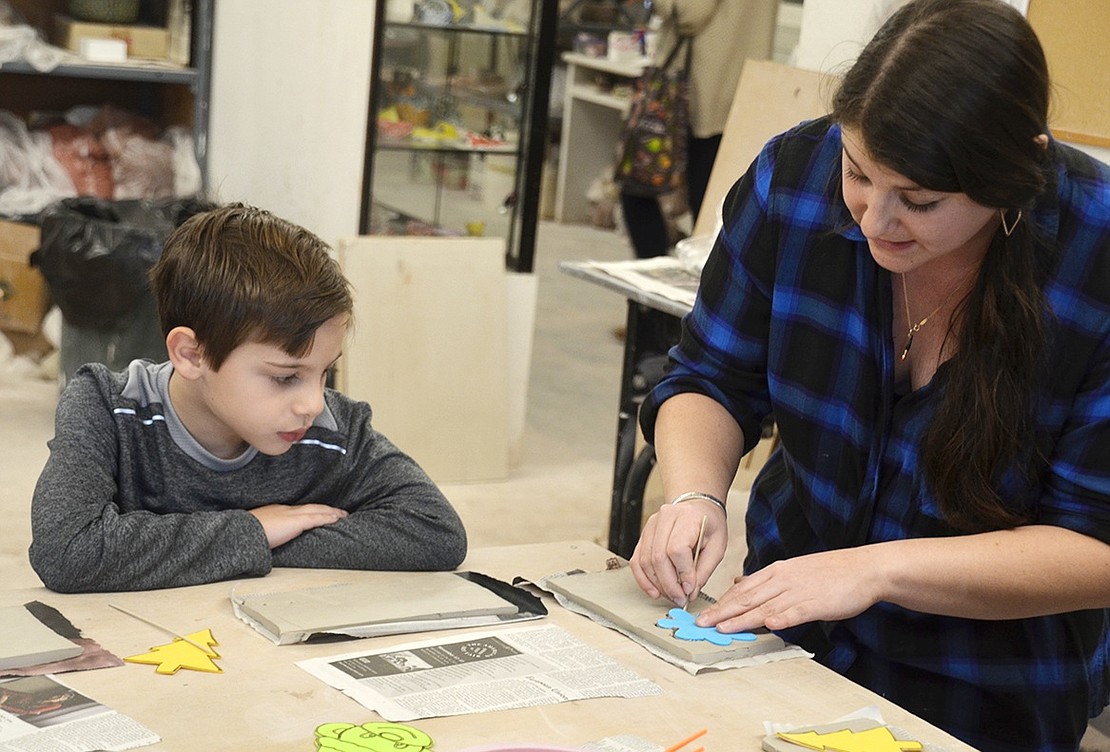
(725, 351)
(1075, 414)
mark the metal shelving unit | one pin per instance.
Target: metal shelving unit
(197, 77)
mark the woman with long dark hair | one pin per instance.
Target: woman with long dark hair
(917, 287)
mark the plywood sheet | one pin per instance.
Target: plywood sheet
(523, 293)
(428, 349)
(1074, 37)
(615, 595)
(769, 99)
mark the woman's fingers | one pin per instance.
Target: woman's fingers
(663, 562)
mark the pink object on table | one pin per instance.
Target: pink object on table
(519, 748)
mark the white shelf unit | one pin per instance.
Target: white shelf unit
(592, 120)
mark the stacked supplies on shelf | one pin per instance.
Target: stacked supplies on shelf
(104, 152)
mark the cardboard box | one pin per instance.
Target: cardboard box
(35, 347)
(144, 42)
(24, 298)
(97, 50)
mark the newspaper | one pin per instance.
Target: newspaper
(41, 713)
(666, 276)
(483, 671)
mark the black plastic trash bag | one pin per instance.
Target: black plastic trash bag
(95, 254)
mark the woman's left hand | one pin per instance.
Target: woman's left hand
(826, 586)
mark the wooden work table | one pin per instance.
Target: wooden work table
(263, 701)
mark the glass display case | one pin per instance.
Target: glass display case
(458, 114)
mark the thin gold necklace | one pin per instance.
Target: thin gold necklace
(915, 328)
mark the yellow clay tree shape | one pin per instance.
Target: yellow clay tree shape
(179, 654)
(879, 739)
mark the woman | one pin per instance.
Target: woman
(917, 287)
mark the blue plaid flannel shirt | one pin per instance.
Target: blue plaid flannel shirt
(793, 319)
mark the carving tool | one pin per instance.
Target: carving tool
(697, 550)
(165, 629)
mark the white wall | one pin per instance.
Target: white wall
(1098, 152)
(833, 32)
(290, 94)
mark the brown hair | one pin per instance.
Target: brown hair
(239, 274)
(953, 94)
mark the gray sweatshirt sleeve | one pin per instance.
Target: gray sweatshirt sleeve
(399, 519)
(92, 533)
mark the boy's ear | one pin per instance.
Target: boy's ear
(184, 352)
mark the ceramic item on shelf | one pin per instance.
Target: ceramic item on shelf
(400, 11)
(435, 12)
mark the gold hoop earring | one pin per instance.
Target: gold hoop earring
(1009, 230)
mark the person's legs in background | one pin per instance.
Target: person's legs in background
(647, 228)
(700, 155)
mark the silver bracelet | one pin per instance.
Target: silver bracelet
(689, 495)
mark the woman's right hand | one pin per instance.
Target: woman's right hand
(663, 562)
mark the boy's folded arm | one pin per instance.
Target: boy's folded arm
(83, 542)
(414, 529)
(398, 519)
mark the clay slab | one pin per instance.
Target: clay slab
(615, 595)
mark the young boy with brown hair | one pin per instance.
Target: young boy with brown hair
(232, 457)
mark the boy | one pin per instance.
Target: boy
(232, 457)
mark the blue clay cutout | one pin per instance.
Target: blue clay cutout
(682, 622)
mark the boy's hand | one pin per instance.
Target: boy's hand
(283, 522)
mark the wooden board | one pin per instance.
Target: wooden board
(770, 98)
(1074, 37)
(615, 595)
(428, 349)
